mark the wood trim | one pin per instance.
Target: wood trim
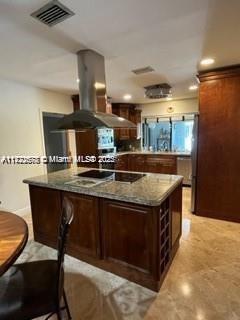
(219, 73)
(212, 215)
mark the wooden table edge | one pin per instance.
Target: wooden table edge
(12, 258)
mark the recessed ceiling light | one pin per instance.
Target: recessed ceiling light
(127, 97)
(78, 80)
(207, 61)
(193, 87)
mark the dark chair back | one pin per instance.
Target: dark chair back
(65, 221)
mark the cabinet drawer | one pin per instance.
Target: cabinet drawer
(161, 164)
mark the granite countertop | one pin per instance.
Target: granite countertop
(170, 153)
(150, 190)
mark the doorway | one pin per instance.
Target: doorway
(56, 143)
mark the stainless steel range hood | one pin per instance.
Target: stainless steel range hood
(92, 84)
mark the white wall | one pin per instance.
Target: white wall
(21, 132)
(160, 108)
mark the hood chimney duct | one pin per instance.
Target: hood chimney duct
(92, 87)
(92, 83)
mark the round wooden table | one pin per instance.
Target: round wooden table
(13, 238)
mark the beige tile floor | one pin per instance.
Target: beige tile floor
(203, 282)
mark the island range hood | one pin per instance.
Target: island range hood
(92, 85)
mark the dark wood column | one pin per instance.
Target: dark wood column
(218, 178)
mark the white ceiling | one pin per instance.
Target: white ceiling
(170, 35)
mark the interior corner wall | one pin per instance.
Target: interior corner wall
(21, 133)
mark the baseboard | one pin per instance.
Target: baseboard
(23, 211)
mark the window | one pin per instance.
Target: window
(168, 134)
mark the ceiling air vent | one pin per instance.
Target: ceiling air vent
(143, 70)
(158, 91)
(52, 13)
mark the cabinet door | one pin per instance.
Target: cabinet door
(128, 235)
(116, 134)
(124, 112)
(133, 133)
(168, 165)
(84, 231)
(138, 116)
(46, 212)
(153, 164)
(124, 134)
(132, 115)
(136, 162)
(161, 164)
(86, 144)
(121, 134)
(121, 162)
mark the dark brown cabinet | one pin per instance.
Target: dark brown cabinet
(121, 110)
(161, 164)
(153, 164)
(134, 241)
(86, 145)
(136, 162)
(127, 235)
(148, 163)
(124, 134)
(121, 163)
(84, 232)
(46, 210)
(129, 112)
(167, 164)
(218, 183)
(135, 117)
(102, 104)
(133, 134)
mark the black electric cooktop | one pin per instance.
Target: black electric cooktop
(112, 175)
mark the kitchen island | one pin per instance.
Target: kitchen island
(130, 229)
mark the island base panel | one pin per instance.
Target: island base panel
(133, 241)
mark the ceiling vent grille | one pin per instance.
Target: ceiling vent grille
(52, 13)
(143, 70)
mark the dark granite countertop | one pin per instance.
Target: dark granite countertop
(150, 190)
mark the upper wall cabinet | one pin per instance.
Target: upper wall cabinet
(129, 112)
(102, 104)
